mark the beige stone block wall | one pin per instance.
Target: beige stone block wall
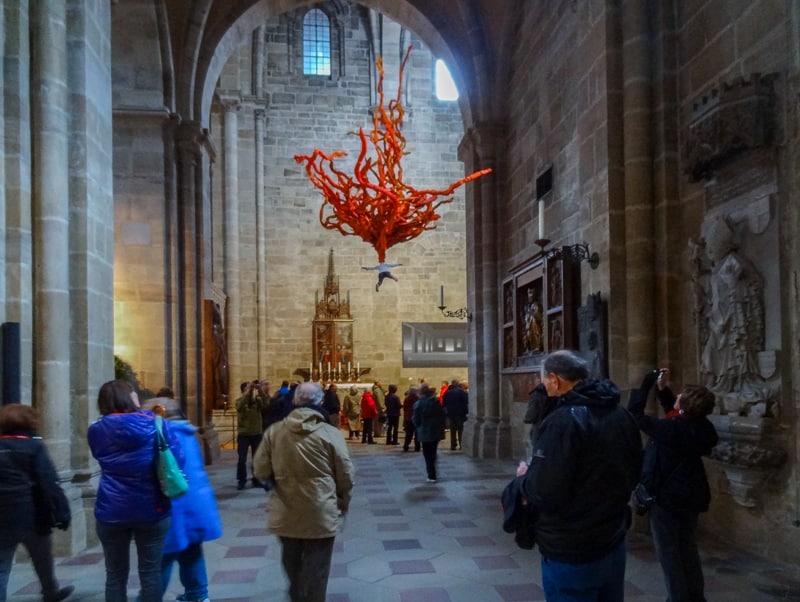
(302, 114)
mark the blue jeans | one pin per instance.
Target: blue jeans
(675, 541)
(602, 580)
(116, 541)
(307, 563)
(191, 570)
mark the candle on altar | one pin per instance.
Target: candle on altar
(358, 368)
(329, 367)
(339, 367)
(541, 219)
(310, 371)
(348, 369)
(320, 369)
(441, 296)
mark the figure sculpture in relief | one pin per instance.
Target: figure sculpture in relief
(730, 304)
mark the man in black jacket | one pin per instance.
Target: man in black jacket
(456, 404)
(586, 462)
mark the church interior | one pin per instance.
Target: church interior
(637, 203)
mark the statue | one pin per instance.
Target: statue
(219, 359)
(532, 337)
(729, 307)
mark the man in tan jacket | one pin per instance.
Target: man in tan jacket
(307, 463)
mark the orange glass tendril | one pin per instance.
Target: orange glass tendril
(374, 202)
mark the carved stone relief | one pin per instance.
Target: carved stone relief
(729, 309)
(728, 284)
(737, 117)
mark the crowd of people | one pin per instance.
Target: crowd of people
(586, 458)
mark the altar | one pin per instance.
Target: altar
(332, 353)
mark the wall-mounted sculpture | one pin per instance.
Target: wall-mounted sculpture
(729, 310)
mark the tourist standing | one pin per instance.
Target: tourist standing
(249, 425)
(130, 505)
(369, 416)
(195, 517)
(675, 475)
(456, 404)
(394, 408)
(585, 464)
(25, 464)
(308, 461)
(332, 404)
(352, 412)
(410, 398)
(429, 420)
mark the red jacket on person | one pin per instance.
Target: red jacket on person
(369, 409)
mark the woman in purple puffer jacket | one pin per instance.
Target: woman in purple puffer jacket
(130, 504)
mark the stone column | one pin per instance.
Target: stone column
(230, 163)
(261, 233)
(489, 435)
(17, 275)
(91, 211)
(50, 207)
(639, 304)
(189, 258)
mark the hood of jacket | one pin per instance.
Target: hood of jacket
(592, 393)
(305, 419)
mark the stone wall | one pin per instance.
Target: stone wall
(557, 114)
(303, 113)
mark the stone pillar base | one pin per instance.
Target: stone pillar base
(487, 438)
(210, 440)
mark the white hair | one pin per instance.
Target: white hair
(308, 393)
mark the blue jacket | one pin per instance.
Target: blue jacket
(125, 446)
(194, 515)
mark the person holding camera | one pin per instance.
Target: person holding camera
(248, 412)
(674, 475)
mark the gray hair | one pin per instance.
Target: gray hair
(308, 393)
(566, 364)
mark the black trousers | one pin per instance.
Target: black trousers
(307, 563)
(366, 435)
(243, 444)
(429, 449)
(411, 433)
(392, 423)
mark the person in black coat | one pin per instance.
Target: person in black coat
(456, 403)
(586, 462)
(25, 464)
(673, 472)
(393, 409)
(332, 404)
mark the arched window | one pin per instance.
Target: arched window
(445, 86)
(316, 43)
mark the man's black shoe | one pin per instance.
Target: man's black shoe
(61, 594)
(240, 486)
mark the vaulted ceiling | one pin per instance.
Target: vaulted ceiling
(471, 35)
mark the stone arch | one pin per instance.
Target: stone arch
(469, 55)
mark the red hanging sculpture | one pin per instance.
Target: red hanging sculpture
(374, 202)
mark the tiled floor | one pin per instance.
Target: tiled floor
(408, 541)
